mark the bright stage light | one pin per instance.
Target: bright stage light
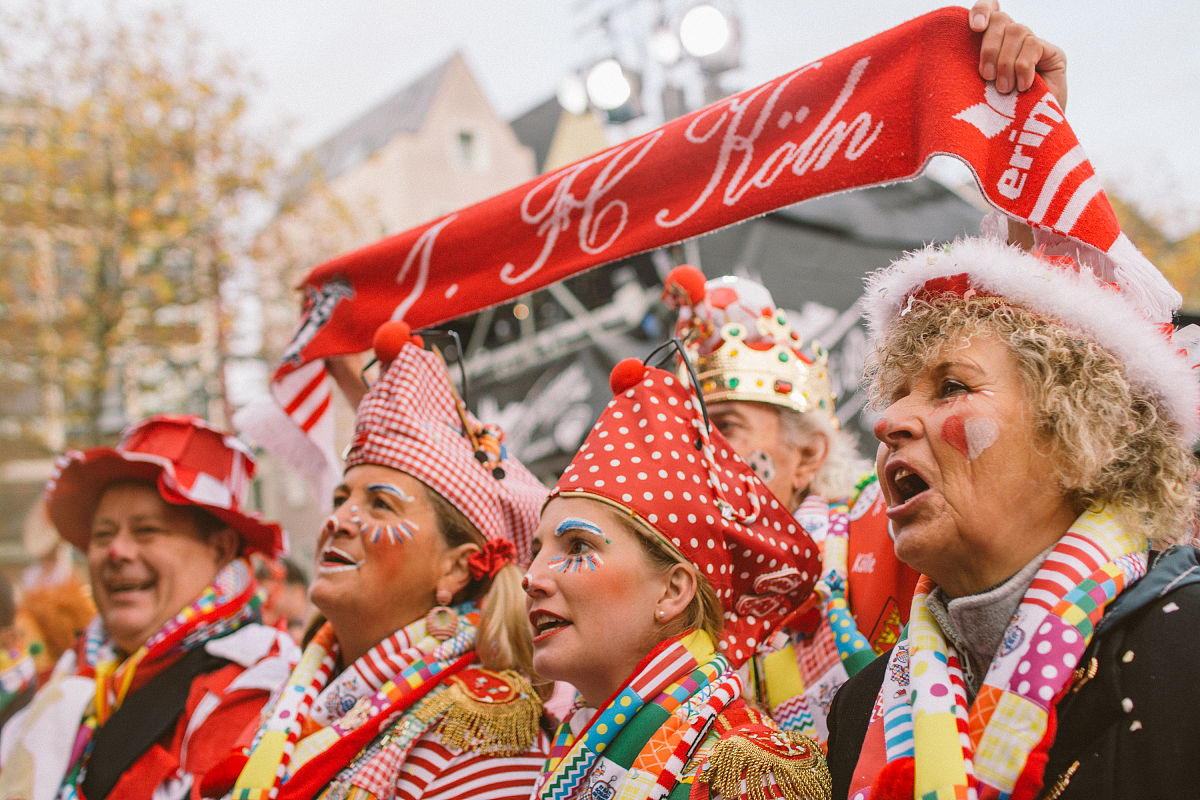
(607, 85)
(704, 31)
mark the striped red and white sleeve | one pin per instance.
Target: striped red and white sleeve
(434, 772)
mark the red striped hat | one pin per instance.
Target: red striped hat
(413, 420)
(191, 463)
(652, 455)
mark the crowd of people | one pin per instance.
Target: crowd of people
(1021, 625)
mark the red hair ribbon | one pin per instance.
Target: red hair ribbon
(488, 561)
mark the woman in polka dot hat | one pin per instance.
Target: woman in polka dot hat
(661, 560)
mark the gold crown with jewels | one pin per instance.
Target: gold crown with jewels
(770, 368)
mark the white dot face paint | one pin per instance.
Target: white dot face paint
(981, 433)
(762, 464)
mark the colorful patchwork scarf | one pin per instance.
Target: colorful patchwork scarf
(638, 745)
(801, 677)
(997, 747)
(227, 604)
(320, 725)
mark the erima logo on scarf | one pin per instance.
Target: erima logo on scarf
(994, 115)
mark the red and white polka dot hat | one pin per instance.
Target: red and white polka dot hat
(413, 420)
(652, 454)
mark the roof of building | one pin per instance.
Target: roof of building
(535, 129)
(404, 111)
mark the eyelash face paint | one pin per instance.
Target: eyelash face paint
(393, 534)
(971, 436)
(575, 563)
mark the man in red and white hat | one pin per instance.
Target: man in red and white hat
(176, 663)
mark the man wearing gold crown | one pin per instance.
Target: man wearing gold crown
(774, 403)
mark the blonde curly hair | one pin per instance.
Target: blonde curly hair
(1109, 439)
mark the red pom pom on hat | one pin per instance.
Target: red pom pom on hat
(626, 374)
(687, 280)
(390, 339)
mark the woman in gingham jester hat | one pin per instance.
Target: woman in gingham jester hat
(176, 662)
(661, 560)
(1037, 417)
(416, 685)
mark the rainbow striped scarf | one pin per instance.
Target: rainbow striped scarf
(227, 604)
(795, 698)
(996, 747)
(638, 745)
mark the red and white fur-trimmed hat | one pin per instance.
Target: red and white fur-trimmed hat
(1154, 356)
(652, 456)
(413, 420)
(189, 461)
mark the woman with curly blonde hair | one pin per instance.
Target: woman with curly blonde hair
(1035, 460)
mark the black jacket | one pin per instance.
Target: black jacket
(1131, 730)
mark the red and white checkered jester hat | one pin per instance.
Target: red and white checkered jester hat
(413, 420)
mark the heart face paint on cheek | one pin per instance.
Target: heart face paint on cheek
(955, 432)
(982, 433)
(972, 436)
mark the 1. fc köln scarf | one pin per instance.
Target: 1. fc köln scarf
(870, 114)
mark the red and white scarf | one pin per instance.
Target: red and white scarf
(871, 114)
(320, 724)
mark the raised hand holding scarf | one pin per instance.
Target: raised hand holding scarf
(997, 747)
(873, 113)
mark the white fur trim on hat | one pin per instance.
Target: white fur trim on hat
(1075, 298)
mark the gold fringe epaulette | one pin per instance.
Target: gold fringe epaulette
(485, 711)
(756, 752)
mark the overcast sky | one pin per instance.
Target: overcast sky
(1133, 101)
